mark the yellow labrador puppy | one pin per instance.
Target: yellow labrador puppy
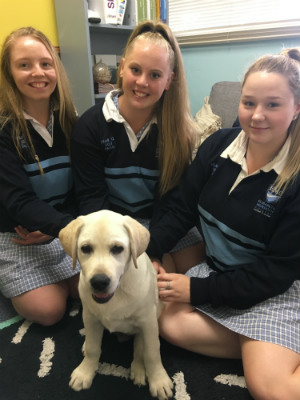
(118, 291)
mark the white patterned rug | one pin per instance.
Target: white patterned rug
(36, 363)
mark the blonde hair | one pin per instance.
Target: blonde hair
(176, 126)
(287, 63)
(11, 107)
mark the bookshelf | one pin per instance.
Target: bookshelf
(79, 41)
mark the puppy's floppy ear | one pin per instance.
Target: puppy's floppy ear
(139, 237)
(68, 237)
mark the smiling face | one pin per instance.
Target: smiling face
(146, 74)
(267, 108)
(33, 70)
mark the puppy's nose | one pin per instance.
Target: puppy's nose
(100, 282)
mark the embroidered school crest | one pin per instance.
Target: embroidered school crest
(267, 206)
(273, 195)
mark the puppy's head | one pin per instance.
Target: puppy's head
(104, 242)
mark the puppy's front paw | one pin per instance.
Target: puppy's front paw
(138, 373)
(82, 378)
(161, 385)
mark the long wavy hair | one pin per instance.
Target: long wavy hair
(176, 126)
(287, 64)
(11, 106)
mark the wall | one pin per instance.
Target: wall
(206, 65)
(37, 13)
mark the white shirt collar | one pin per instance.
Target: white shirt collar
(237, 149)
(41, 129)
(110, 113)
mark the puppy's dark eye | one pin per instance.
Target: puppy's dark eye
(86, 249)
(117, 249)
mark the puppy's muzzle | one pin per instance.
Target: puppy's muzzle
(100, 284)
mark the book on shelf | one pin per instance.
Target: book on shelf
(103, 88)
(121, 11)
(151, 10)
(136, 11)
(157, 10)
(163, 9)
(111, 9)
(106, 10)
(139, 10)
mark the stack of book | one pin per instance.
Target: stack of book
(129, 12)
(102, 88)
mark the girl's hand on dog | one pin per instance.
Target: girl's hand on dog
(27, 238)
(156, 264)
(173, 287)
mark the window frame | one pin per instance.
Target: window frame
(262, 30)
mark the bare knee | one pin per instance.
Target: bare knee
(41, 313)
(272, 372)
(50, 315)
(265, 384)
(263, 389)
(45, 305)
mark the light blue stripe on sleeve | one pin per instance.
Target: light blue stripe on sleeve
(224, 228)
(130, 207)
(52, 184)
(132, 170)
(221, 248)
(47, 163)
(131, 190)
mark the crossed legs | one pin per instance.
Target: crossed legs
(272, 372)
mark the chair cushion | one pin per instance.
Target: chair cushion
(224, 100)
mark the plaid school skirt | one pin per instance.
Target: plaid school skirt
(191, 238)
(276, 320)
(24, 268)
